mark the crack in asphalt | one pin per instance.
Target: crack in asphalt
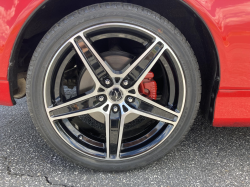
(47, 180)
(9, 172)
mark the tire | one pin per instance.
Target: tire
(187, 86)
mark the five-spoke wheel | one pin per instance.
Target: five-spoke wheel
(115, 93)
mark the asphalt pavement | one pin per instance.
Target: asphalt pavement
(207, 156)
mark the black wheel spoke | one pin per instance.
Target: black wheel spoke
(114, 127)
(87, 104)
(93, 60)
(144, 62)
(153, 110)
(114, 131)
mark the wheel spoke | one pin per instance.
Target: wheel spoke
(148, 108)
(114, 125)
(153, 103)
(143, 64)
(90, 58)
(140, 58)
(76, 107)
(148, 68)
(114, 130)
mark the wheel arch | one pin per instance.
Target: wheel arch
(179, 13)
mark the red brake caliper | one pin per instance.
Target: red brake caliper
(148, 86)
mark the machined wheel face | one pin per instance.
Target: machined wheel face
(91, 91)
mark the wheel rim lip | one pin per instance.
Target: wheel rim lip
(125, 91)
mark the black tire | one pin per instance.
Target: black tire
(104, 13)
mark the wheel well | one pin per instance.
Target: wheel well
(177, 12)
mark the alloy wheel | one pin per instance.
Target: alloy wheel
(91, 102)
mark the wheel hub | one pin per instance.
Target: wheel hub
(115, 94)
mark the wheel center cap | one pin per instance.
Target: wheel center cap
(115, 94)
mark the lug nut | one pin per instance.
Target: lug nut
(125, 82)
(130, 99)
(80, 137)
(101, 98)
(107, 81)
(115, 108)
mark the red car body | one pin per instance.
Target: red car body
(229, 25)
